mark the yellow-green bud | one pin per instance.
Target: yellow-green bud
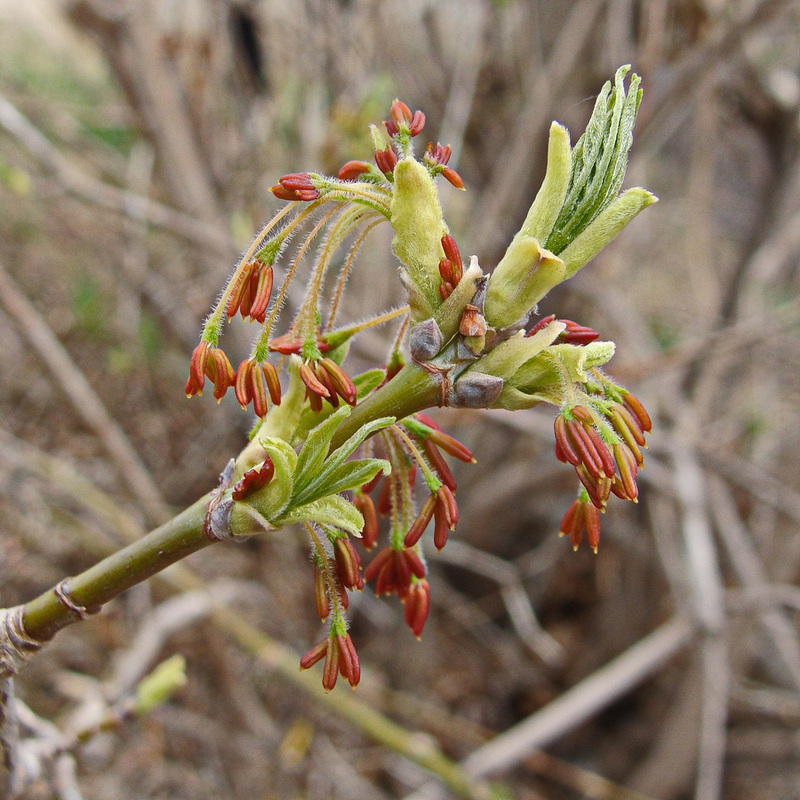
(416, 217)
(546, 207)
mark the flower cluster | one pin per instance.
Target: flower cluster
(353, 457)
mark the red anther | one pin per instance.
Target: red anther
(386, 160)
(582, 415)
(353, 170)
(588, 443)
(330, 672)
(563, 443)
(426, 420)
(560, 453)
(577, 334)
(312, 382)
(392, 571)
(321, 599)
(441, 530)
(341, 381)
(258, 390)
(452, 177)
(598, 489)
(417, 605)
(348, 660)
(369, 535)
(542, 323)
(241, 285)
(583, 445)
(400, 115)
(197, 369)
(451, 267)
(296, 186)
(624, 485)
(283, 194)
(314, 401)
(288, 344)
(382, 566)
(219, 372)
(417, 123)
(572, 523)
(633, 404)
(260, 293)
(601, 448)
(581, 515)
(421, 522)
(344, 598)
(453, 255)
(348, 563)
(568, 520)
(325, 380)
(385, 498)
(445, 516)
(315, 654)
(592, 522)
(273, 382)
(254, 479)
(253, 382)
(447, 502)
(414, 563)
(626, 425)
(241, 387)
(296, 181)
(446, 271)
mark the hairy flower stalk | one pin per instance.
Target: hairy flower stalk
(351, 456)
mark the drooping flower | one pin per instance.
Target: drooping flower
(326, 380)
(254, 381)
(348, 563)
(252, 291)
(416, 605)
(442, 506)
(581, 516)
(209, 362)
(392, 570)
(340, 658)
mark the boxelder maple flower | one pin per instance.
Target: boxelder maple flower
(353, 456)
